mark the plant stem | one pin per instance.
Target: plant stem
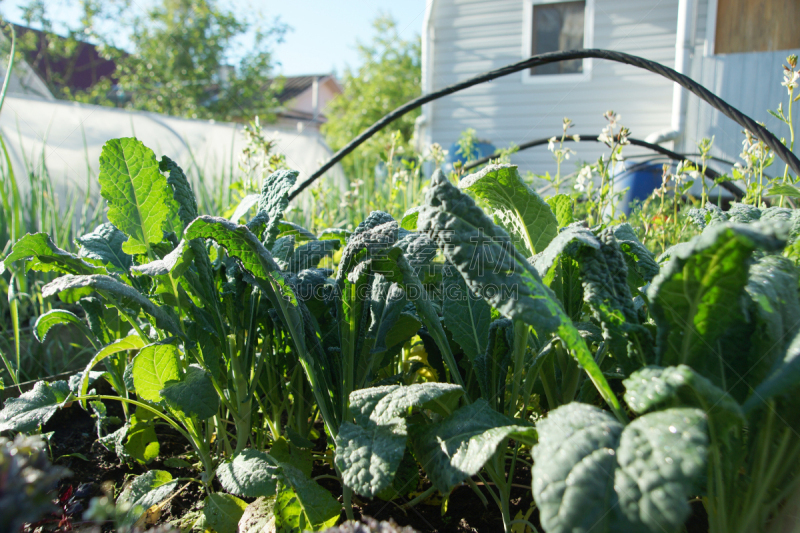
(243, 402)
(419, 498)
(196, 443)
(790, 123)
(347, 495)
(13, 304)
(477, 491)
(520, 347)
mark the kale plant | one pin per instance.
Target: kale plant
(484, 328)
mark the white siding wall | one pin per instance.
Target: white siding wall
(750, 82)
(473, 36)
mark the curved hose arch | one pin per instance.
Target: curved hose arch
(554, 57)
(710, 173)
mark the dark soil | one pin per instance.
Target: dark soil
(74, 433)
(96, 471)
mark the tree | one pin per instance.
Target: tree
(64, 62)
(390, 75)
(180, 59)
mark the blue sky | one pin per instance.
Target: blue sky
(324, 32)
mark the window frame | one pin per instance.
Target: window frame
(527, 42)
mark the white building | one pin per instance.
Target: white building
(735, 48)
(304, 100)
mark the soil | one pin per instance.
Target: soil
(74, 433)
(96, 471)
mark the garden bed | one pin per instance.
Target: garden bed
(73, 444)
(490, 360)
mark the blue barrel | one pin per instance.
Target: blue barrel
(641, 179)
(482, 149)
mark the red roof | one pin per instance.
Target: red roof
(82, 70)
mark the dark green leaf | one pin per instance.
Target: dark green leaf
(493, 269)
(274, 200)
(373, 220)
(387, 301)
(456, 448)
(405, 479)
(487, 260)
(238, 240)
(368, 454)
(680, 386)
(491, 367)
(283, 251)
(147, 490)
(181, 190)
(518, 208)
(743, 213)
(398, 400)
(118, 289)
(406, 327)
(249, 475)
(419, 250)
(784, 377)
(466, 316)
(176, 262)
(642, 266)
(591, 473)
(223, 512)
(772, 288)
(194, 394)
(309, 255)
(369, 457)
(105, 244)
(53, 318)
(35, 407)
(698, 294)
(297, 231)
(47, 257)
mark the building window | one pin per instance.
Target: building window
(558, 26)
(551, 26)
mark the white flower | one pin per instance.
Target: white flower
(790, 78)
(551, 144)
(583, 179)
(607, 135)
(576, 138)
(684, 165)
(623, 136)
(612, 117)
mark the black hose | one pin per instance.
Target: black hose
(710, 173)
(554, 57)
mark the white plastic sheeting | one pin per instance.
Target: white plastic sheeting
(67, 138)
